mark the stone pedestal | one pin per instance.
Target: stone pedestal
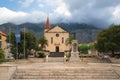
(74, 52)
(47, 54)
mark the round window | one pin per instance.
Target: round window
(57, 35)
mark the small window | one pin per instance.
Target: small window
(51, 40)
(62, 39)
(0, 37)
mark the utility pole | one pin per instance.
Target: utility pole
(24, 44)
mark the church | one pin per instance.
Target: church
(56, 37)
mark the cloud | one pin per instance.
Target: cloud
(98, 12)
(7, 15)
(116, 15)
(26, 3)
(20, 17)
(62, 10)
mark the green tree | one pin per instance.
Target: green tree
(28, 41)
(108, 40)
(2, 56)
(69, 40)
(91, 46)
(85, 47)
(43, 42)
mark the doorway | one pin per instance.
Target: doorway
(57, 49)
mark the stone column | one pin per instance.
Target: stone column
(65, 56)
(47, 54)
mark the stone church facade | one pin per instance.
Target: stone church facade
(56, 37)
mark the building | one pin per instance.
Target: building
(56, 37)
(3, 43)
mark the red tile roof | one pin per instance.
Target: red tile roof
(2, 33)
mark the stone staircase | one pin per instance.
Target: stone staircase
(66, 74)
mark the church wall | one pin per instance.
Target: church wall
(57, 41)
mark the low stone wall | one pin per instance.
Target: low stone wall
(115, 60)
(39, 60)
(7, 71)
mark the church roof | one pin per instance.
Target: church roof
(57, 26)
(47, 25)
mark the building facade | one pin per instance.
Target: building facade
(3, 43)
(56, 37)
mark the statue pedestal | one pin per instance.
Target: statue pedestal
(74, 57)
(74, 53)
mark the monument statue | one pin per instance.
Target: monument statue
(74, 52)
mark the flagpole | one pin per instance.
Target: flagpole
(17, 51)
(17, 36)
(9, 45)
(24, 42)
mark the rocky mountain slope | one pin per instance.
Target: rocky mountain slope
(84, 32)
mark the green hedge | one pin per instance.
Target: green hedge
(4, 60)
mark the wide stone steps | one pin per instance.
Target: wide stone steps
(65, 74)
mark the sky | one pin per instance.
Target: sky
(101, 13)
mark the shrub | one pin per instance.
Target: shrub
(4, 60)
(41, 55)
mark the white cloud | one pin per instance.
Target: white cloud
(7, 15)
(62, 10)
(98, 12)
(26, 3)
(59, 10)
(41, 5)
(21, 17)
(116, 15)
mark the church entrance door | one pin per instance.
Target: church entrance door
(57, 48)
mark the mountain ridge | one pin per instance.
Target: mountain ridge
(82, 30)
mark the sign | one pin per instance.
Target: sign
(17, 35)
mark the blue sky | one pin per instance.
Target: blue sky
(98, 12)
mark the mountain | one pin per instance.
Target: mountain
(84, 32)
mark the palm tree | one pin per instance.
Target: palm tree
(43, 42)
(69, 40)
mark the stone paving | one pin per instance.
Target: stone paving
(60, 71)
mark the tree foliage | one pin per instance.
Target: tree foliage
(28, 42)
(69, 40)
(2, 56)
(43, 42)
(85, 47)
(108, 40)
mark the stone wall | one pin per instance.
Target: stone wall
(6, 72)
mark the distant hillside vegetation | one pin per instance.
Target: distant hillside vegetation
(84, 32)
